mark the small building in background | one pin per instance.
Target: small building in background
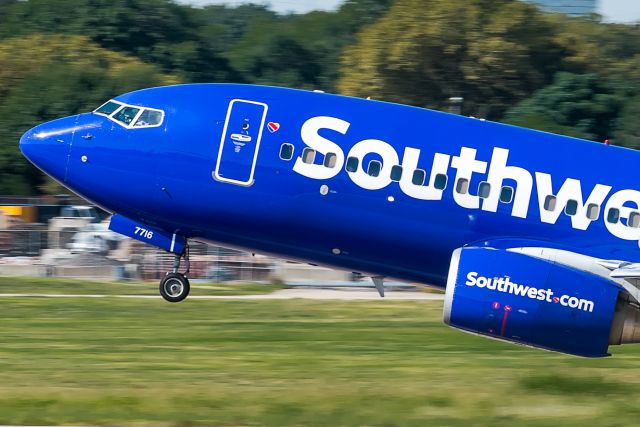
(570, 7)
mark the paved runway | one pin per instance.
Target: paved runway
(317, 294)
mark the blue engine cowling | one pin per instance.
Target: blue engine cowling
(515, 297)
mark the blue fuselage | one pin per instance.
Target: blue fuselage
(216, 169)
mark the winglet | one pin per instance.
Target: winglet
(379, 282)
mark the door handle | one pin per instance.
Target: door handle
(87, 136)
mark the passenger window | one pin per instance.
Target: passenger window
(309, 155)
(440, 182)
(418, 177)
(286, 151)
(462, 186)
(550, 203)
(108, 108)
(506, 194)
(126, 115)
(149, 118)
(634, 220)
(572, 207)
(330, 160)
(593, 211)
(484, 189)
(374, 168)
(613, 216)
(352, 164)
(396, 173)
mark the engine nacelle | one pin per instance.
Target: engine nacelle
(515, 297)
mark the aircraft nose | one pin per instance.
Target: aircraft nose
(47, 146)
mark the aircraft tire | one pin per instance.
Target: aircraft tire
(174, 287)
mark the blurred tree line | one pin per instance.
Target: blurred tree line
(510, 61)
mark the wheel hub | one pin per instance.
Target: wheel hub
(174, 288)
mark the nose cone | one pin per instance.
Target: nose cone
(47, 146)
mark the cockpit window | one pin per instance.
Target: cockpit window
(149, 118)
(108, 108)
(126, 115)
(131, 116)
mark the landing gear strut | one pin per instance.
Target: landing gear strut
(174, 286)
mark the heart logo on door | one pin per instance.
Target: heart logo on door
(273, 126)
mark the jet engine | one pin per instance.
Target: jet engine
(519, 298)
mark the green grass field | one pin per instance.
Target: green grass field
(142, 362)
(40, 285)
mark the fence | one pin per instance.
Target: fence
(102, 254)
(22, 242)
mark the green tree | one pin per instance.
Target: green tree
(158, 31)
(61, 76)
(589, 46)
(584, 106)
(225, 26)
(199, 43)
(421, 52)
(277, 59)
(627, 131)
(301, 50)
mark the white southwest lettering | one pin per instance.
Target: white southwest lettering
(310, 136)
(618, 201)
(505, 285)
(410, 164)
(570, 190)
(466, 165)
(498, 172)
(389, 159)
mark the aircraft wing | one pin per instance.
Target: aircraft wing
(625, 273)
(622, 269)
(628, 272)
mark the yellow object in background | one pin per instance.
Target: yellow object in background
(26, 213)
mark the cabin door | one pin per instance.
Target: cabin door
(240, 142)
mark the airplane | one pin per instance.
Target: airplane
(533, 236)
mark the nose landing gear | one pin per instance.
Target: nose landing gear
(174, 286)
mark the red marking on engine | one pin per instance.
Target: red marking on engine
(507, 309)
